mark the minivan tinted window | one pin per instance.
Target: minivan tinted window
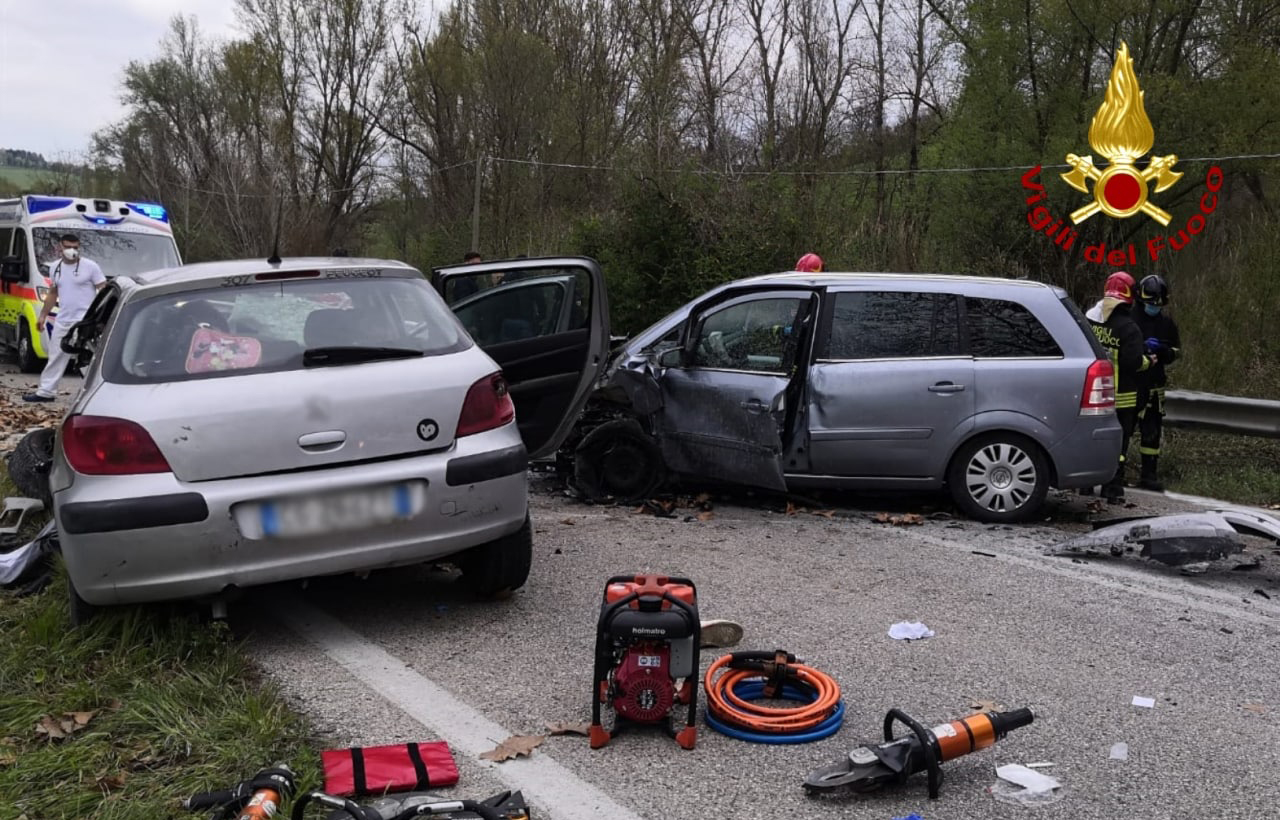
(268, 327)
(894, 325)
(999, 329)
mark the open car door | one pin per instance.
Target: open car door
(545, 321)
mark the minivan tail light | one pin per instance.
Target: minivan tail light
(488, 405)
(98, 445)
(1099, 396)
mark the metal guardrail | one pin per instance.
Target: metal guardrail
(1225, 414)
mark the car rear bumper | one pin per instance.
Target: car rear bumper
(130, 539)
(1088, 455)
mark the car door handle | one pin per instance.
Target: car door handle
(322, 442)
(754, 406)
(946, 387)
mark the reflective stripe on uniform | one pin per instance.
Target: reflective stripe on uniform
(1126, 400)
(1149, 451)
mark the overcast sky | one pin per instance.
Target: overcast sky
(61, 62)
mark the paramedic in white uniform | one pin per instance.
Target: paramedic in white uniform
(75, 281)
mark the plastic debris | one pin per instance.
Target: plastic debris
(909, 631)
(910, 817)
(1026, 777)
(1183, 540)
(1024, 786)
(1149, 703)
(1043, 765)
(1018, 796)
(1120, 751)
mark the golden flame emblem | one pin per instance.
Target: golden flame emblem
(1122, 133)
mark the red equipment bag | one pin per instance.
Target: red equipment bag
(377, 770)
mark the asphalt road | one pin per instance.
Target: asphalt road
(407, 656)
(1075, 642)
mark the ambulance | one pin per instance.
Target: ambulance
(122, 237)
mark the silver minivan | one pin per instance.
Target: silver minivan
(993, 388)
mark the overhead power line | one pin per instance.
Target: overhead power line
(723, 173)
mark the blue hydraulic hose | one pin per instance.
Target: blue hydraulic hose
(753, 689)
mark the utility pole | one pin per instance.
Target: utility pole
(475, 205)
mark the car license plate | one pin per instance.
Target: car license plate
(333, 512)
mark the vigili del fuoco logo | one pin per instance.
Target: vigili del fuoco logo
(1121, 133)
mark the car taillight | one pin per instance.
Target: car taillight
(488, 405)
(1099, 397)
(97, 445)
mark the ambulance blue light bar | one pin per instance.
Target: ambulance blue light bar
(39, 204)
(151, 209)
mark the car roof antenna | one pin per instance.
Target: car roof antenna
(274, 259)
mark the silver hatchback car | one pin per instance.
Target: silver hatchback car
(243, 423)
(994, 388)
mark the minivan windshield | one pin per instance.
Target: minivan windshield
(116, 252)
(274, 326)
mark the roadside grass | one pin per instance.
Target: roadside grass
(170, 706)
(1241, 469)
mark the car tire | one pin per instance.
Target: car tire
(29, 465)
(999, 478)
(500, 567)
(28, 361)
(618, 461)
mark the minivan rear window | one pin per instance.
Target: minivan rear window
(1000, 329)
(269, 326)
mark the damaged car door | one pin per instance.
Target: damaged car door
(545, 321)
(725, 410)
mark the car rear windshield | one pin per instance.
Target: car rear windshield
(276, 326)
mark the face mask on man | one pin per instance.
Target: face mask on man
(70, 254)
(1152, 310)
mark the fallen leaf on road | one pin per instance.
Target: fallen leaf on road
(706, 515)
(514, 746)
(1256, 708)
(562, 728)
(112, 782)
(825, 513)
(568, 521)
(703, 498)
(1097, 505)
(984, 705)
(899, 520)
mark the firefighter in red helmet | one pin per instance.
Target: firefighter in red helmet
(809, 263)
(1120, 336)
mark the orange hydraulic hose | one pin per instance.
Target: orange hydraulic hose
(726, 706)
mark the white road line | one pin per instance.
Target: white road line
(544, 781)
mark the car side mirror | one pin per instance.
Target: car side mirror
(673, 357)
(12, 269)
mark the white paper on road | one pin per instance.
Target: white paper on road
(909, 631)
(1120, 751)
(1150, 703)
(1029, 779)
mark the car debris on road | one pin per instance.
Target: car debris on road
(1172, 540)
